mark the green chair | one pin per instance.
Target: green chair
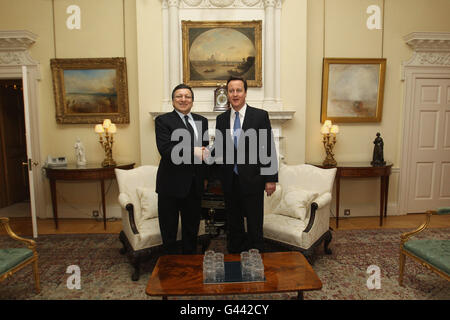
(14, 259)
(431, 253)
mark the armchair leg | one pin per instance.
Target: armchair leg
(326, 243)
(136, 265)
(122, 250)
(309, 255)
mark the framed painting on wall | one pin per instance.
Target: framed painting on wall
(352, 89)
(215, 50)
(88, 90)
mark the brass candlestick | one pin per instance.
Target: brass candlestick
(108, 129)
(329, 132)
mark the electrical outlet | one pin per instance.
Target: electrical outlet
(95, 213)
(346, 212)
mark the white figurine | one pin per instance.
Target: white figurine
(79, 153)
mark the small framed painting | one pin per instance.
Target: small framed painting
(352, 89)
(88, 90)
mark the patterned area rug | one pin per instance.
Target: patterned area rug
(106, 274)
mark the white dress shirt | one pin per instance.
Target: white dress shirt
(233, 116)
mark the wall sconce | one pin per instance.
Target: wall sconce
(329, 132)
(108, 129)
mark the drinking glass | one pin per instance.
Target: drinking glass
(219, 271)
(209, 271)
(258, 272)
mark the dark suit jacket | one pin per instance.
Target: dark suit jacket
(250, 177)
(176, 179)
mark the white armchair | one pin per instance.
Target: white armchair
(141, 235)
(297, 215)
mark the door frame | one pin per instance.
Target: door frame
(430, 60)
(412, 73)
(11, 61)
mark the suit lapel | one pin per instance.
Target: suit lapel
(177, 119)
(248, 118)
(227, 116)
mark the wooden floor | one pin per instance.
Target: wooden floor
(22, 226)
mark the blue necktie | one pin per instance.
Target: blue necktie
(236, 134)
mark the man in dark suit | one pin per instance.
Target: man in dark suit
(181, 137)
(249, 167)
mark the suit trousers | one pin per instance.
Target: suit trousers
(238, 206)
(169, 210)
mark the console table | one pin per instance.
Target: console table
(362, 170)
(72, 172)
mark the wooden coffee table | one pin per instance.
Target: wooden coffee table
(182, 275)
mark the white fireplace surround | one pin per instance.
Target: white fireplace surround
(267, 97)
(269, 12)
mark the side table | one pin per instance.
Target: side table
(72, 172)
(362, 170)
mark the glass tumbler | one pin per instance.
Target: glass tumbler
(209, 272)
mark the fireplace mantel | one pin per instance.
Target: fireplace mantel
(276, 117)
(268, 97)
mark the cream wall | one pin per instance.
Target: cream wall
(336, 28)
(101, 35)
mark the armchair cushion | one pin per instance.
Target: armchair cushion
(128, 182)
(11, 257)
(295, 202)
(284, 229)
(307, 176)
(149, 202)
(435, 252)
(297, 214)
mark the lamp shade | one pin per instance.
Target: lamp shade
(327, 123)
(325, 129)
(334, 129)
(106, 123)
(99, 128)
(112, 128)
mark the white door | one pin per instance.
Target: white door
(429, 168)
(31, 163)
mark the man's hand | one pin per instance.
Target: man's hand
(198, 152)
(270, 188)
(201, 153)
(206, 153)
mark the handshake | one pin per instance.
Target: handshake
(202, 153)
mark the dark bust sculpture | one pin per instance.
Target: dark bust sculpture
(378, 156)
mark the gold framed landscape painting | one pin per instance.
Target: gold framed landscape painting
(215, 50)
(352, 89)
(88, 90)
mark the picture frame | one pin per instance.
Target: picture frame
(89, 90)
(352, 90)
(215, 50)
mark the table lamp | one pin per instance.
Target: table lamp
(329, 132)
(108, 129)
